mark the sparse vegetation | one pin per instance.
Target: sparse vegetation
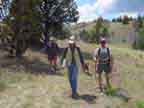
(140, 104)
(29, 82)
(93, 34)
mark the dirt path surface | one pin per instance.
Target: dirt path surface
(26, 83)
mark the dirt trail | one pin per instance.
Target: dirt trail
(29, 86)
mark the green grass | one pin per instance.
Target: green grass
(140, 104)
(111, 91)
(20, 86)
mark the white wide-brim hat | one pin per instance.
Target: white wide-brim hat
(71, 40)
(52, 39)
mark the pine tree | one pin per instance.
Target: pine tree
(25, 21)
(56, 13)
(98, 26)
(31, 18)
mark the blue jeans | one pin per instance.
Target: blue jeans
(73, 77)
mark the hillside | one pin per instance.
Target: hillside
(81, 26)
(119, 32)
(25, 83)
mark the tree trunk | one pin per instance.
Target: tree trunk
(46, 34)
(21, 47)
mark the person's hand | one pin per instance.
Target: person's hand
(86, 69)
(84, 66)
(96, 67)
(63, 63)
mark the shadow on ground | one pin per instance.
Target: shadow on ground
(88, 98)
(34, 66)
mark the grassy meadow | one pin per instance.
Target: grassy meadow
(25, 83)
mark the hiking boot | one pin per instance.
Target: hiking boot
(75, 96)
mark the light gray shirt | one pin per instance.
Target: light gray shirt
(95, 52)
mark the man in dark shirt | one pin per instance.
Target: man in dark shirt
(72, 64)
(53, 51)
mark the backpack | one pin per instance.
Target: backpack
(103, 58)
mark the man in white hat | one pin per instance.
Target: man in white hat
(72, 64)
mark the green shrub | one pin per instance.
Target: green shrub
(140, 104)
(111, 91)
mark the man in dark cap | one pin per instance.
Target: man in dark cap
(104, 62)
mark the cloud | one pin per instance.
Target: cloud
(87, 18)
(86, 12)
(91, 11)
(104, 5)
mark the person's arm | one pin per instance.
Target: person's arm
(58, 49)
(84, 65)
(111, 60)
(95, 58)
(81, 56)
(94, 55)
(64, 55)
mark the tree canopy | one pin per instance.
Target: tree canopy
(28, 19)
(57, 12)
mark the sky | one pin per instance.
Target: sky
(109, 9)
